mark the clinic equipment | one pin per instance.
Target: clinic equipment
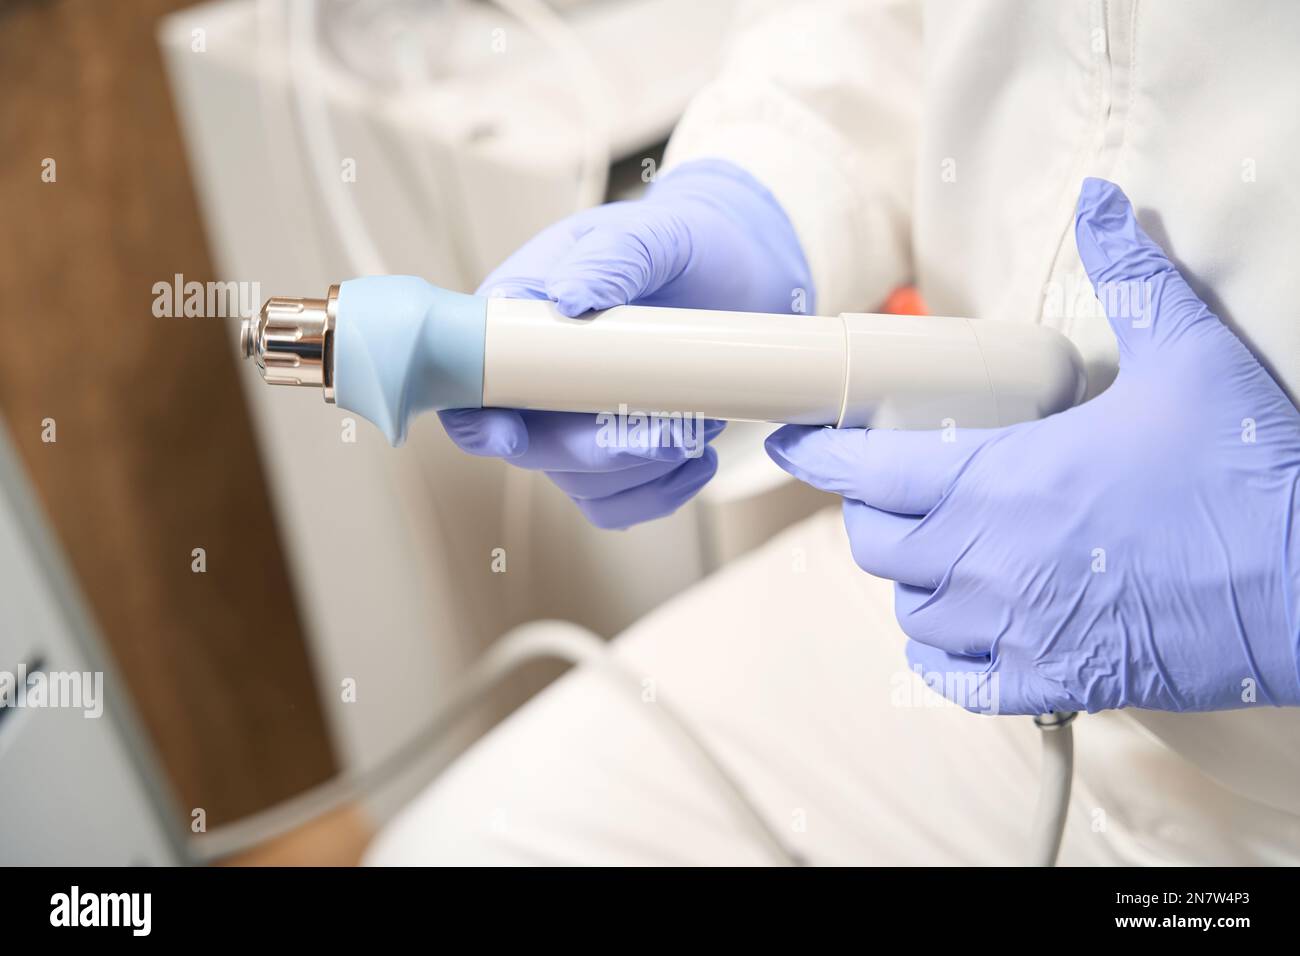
(390, 347)
(77, 791)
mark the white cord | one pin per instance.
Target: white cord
(323, 157)
(590, 86)
(534, 641)
(565, 641)
(359, 246)
(275, 114)
(1055, 779)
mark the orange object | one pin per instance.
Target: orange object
(905, 301)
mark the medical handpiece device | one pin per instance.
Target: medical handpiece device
(389, 347)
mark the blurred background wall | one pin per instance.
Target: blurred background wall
(154, 454)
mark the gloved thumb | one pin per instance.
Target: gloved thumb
(905, 472)
(1145, 297)
(615, 265)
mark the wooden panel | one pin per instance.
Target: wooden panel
(154, 454)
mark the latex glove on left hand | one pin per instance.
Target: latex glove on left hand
(1140, 550)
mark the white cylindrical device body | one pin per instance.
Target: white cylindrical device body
(853, 370)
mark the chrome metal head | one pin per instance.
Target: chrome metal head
(292, 341)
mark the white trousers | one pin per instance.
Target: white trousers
(789, 664)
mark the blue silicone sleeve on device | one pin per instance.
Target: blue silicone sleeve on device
(403, 346)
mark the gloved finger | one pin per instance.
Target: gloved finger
(1145, 297)
(513, 287)
(885, 544)
(659, 436)
(522, 274)
(965, 681)
(494, 432)
(906, 472)
(577, 441)
(940, 618)
(489, 432)
(1021, 689)
(615, 265)
(654, 499)
(582, 485)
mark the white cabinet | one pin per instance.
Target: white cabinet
(74, 789)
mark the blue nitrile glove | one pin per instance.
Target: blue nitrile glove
(1140, 550)
(707, 236)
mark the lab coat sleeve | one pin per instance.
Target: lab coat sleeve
(819, 101)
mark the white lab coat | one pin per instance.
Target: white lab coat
(941, 144)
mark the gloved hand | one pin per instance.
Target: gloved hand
(1140, 550)
(706, 236)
